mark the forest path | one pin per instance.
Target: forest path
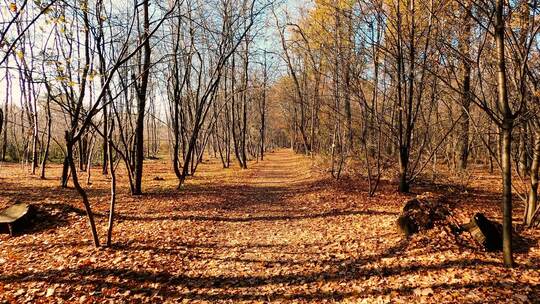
(281, 168)
(276, 231)
(266, 186)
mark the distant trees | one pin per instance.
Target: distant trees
(109, 57)
(199, 80)
(376, 66)
(16, 40)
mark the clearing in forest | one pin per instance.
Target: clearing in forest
(278, 231)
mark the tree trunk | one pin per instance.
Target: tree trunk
(80, 190)
(463, 138)
(104, 168)
(522, 150)
(35, 135)
(403, 168)
(506, 162)
(48, 142)
(263, 108)
(244, 105)
(506, 134)
(65, 173)
(113, 194)
(532, 200)
(141, 101)
(1, 120)
(6, 111)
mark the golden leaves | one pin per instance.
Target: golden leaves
(84, 5)
(92, 74)
(13, 7)
(20, 54)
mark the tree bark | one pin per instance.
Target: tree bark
(532, 200)
(506, 134)
(80, 190)
(48, 142)
(113, 193)
(141, 101)
(464, 45)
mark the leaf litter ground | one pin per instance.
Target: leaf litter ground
(278, 232)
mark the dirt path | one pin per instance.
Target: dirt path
(277, 232)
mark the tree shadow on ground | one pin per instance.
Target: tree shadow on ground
(37, 194)
(522, 244)
(247, 287)
(333, 213)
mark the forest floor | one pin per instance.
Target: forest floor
(280, 231)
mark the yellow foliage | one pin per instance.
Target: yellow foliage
(92, 74)
(326, 28)
(326, 23)
(20, 54)
(521, 16)
(403, 12)
(13, 7)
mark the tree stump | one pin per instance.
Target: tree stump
(486, 232)
(420, 214)
(15, 216)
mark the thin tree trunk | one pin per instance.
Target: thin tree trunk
(89, 161)
(141, 100)
(532, 200)
(48, 142)
(522, 150)
(113, 194)
(80, 190)
(6, 110)
(65, 173)
(463, 139)
(506, 134)
(104, 167)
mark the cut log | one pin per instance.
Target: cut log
(486, 232)
(420, 214)
(15, 215)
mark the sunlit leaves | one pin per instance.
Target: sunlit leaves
(13, 7)
(20, 54)
(84, 5)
